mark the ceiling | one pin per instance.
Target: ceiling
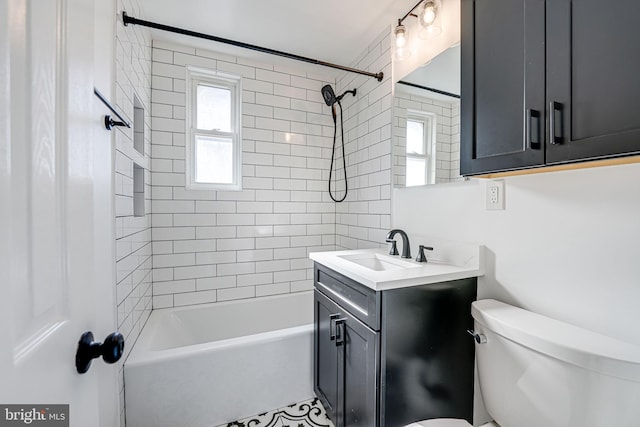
(329, 30)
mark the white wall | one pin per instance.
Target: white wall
(211, 246)
(363, 219)
(133, 234)
(567, 244)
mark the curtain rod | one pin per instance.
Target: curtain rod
(126, 19)
(430, 89)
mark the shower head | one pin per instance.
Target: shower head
(330, 97)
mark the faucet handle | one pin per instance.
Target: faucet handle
(394, 249)
(421, 257)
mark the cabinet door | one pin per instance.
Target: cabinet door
(502, 88)
(346, 365)
(325, 363)
(427, 357)
(359, 376)
(593, 59)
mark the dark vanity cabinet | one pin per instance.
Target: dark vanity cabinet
(548, 82)
(392, 357)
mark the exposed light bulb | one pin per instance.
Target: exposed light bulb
(401, 36)
(429, 14)
(429, 19)
(402, 51)
(401, 41)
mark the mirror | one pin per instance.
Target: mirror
(426, 123)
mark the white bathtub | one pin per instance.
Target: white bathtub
(205, 365)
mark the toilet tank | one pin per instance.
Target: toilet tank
(535, 371)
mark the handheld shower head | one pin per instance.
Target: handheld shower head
(330, 97)
(331, 100)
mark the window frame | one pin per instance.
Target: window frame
(428, 121)
(201, 76)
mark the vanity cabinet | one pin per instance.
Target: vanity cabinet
(548, 82)
(388, 358)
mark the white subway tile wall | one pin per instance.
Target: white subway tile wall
(133, 233)
(195, 247)
(364, 218)
(211, 246)
(455, 141)
(447, 135)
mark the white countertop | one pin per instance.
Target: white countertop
(417, 273)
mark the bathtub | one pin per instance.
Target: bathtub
(205, 365)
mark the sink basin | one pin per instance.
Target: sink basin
(377, 270)
(378, 262)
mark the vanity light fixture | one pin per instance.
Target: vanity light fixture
(429, 21)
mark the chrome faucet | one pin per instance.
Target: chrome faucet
(406, 248)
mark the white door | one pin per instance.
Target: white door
(55, 184)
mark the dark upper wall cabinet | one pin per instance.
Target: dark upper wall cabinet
(548, 82)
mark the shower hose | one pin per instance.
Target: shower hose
(333, 153)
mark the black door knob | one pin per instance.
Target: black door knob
(111, 350)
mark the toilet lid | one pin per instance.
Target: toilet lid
(441, 422)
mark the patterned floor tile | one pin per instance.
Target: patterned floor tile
(309, 413)
(260, 420)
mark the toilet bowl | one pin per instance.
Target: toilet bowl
(535, 371)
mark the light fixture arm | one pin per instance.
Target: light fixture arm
(409, 13)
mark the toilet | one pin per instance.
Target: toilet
(535, 371)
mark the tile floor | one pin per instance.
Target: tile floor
(309, 413)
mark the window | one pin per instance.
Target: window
(213, 130)
(420, 150)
